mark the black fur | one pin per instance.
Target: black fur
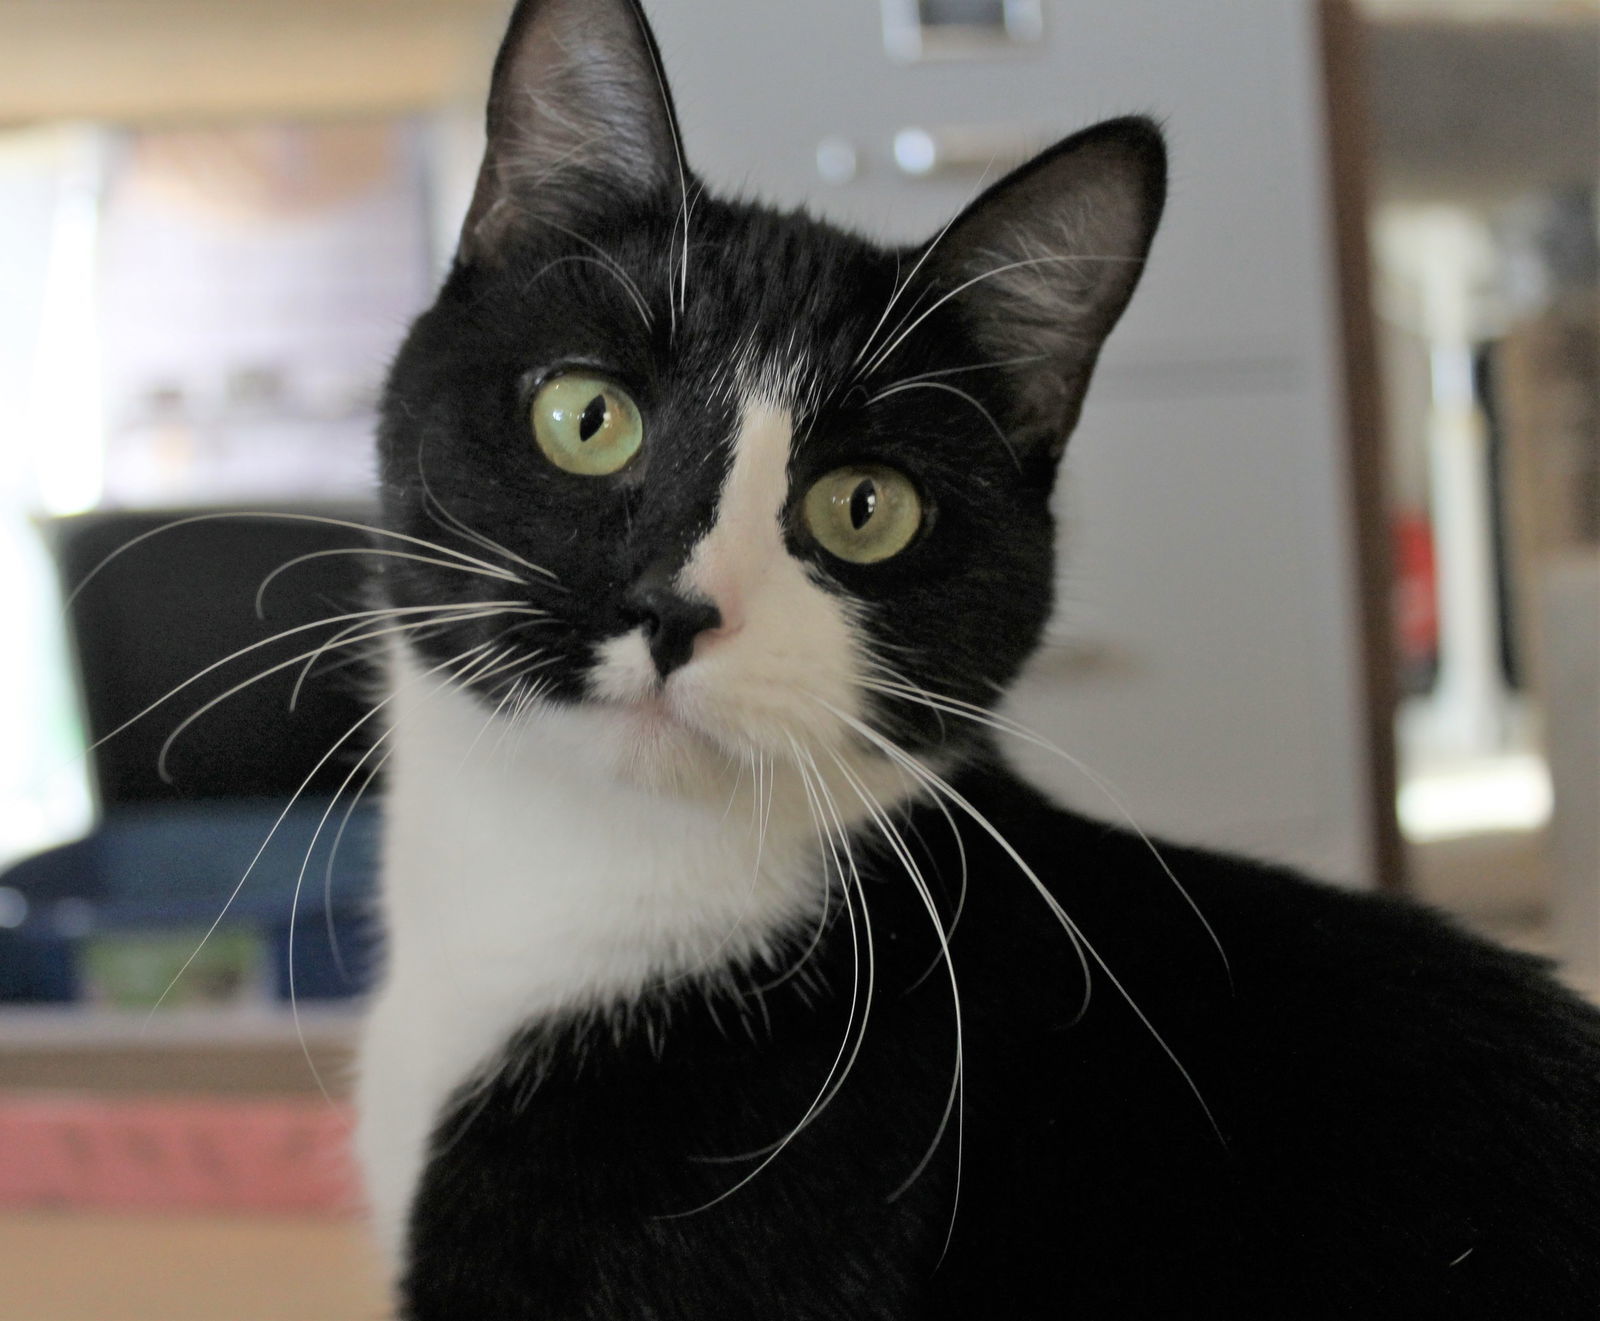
(1386, 1118)
(1406, 1118)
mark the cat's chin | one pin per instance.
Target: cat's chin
(647, 744)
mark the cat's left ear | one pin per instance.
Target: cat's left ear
(1046, 260)
(579, 119)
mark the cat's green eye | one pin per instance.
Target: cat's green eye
(586, 424)
(863, 513)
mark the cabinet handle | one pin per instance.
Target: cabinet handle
(922, 152)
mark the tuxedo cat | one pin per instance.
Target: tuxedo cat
(730, 972)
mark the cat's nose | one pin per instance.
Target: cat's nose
(671, 621)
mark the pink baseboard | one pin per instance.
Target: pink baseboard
(190, 1154)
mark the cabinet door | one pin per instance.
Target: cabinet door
(761, 83)
(1199, 661)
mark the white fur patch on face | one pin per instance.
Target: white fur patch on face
(786, 649)
(624, 671)
(744, 551)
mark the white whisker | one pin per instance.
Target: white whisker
(610, 262)
(501, 575)
(970, 367)
(166, 746)
(333, 854)
(1002, 724)
(895, 343)
(960, 394)
(439, 514)
(819, 1101)
(445, 616)
(840, 832)
(911, 275)
(271, 834)
(366, 615)
(954, 1101)
(1084, 949)
(583, 258)
(677, 153)
(270, 514)
(305, 862)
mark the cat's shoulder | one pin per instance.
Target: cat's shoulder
(1286, 951)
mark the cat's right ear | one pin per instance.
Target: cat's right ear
(1045, 260)
(579, 116)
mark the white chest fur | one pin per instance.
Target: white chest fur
(522, 877)
(661, 830)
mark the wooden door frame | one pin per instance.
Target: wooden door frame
(1343, 48)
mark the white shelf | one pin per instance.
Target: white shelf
(79, 1027)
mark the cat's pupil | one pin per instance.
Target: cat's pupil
(592, 418)
(863, 503)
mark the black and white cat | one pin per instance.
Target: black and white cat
(730, 972)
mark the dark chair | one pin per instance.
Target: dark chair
(169, 850)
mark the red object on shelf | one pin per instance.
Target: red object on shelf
(1416, 589)
(192, 1154)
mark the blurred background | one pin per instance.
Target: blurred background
(1330, 549)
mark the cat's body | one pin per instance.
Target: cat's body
(1404, 1118)
(729, 972)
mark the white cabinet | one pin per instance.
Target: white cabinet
(1200, 659)
(760, 84)
(1208, 562)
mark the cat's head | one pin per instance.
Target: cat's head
(749, 482)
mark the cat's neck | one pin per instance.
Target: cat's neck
(524, 879)
(517, 859)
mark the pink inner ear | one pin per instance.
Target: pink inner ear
(577, 87)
